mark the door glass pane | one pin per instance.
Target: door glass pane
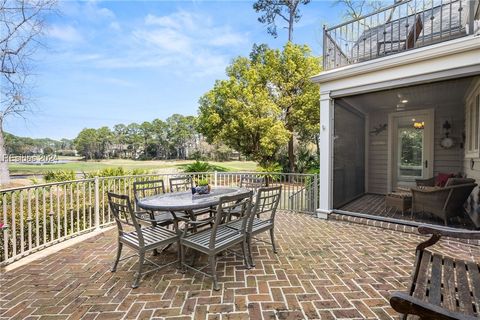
(349, 156)
(410, 154)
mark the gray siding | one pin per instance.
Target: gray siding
(450, 160)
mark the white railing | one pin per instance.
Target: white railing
(39, 216)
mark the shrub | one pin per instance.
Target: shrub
(202, 182)
(115, 172)
(59, 175)
(199, 166)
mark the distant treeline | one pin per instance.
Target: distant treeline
(174, 138)
(16, 145)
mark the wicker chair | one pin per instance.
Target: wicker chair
(446, 202)
(265, 208)
(140, 239)
(219, 238)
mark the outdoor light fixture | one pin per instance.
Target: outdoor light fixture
(404, 101)
(419, 125)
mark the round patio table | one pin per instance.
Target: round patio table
(185, 201)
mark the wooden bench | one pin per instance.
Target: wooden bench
(442, 287)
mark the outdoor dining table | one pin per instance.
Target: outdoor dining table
(186, 201)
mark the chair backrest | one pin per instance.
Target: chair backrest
(414, 32)
(123, 213)
(142, 189)
(458, 181)
(252, 183)
(266, 203)
(180, 184)
(239, 203)
(459, 195)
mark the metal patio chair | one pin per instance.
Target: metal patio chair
(262, 217)
(138, 239)
(181, 184)
(219, 238)
(251, 183)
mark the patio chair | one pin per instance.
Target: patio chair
(252, 183)
(446, 202)
(219, 238)
(181, 184)
(408, 42)
(441, 287)
(262, 217)
(143, 189)
(139, 239)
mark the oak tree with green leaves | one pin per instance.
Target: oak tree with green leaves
(266, 100)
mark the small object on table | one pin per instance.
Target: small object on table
(400, 200)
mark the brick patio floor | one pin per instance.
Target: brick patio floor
(323, 270)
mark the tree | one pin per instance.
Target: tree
(287, 10)
(287, 76)
(180, 133)
(239, 112)
(86, 143)
(21, 23)
(355, 9)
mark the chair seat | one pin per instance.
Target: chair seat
(152, 237)
(224, 237)
(258, 225)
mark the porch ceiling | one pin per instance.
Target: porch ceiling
(419, 96)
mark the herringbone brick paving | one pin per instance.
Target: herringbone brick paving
(323, 270)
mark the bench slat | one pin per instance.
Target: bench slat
(474, 274)
(422, 278)
(464, 297)
(449, 295)
(435, 292)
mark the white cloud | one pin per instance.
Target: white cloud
(64, 33)
(228, 39)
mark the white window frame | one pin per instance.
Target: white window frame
(472, 122)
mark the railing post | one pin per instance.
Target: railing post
(471, 17)
(97, 202)
(215, 178)
(316, 203)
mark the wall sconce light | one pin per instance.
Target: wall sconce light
(419, 125)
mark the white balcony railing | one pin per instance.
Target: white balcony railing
(403, 26)
(39, 216)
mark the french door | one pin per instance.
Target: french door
(411, 147)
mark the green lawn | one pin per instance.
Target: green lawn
(155, 165)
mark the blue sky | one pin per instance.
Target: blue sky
(109, 62)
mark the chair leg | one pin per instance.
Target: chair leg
(179, 255)
(182, 250)
(119, 254)
(213, 269)
(141, 259)
(246, 257)
(272, 237)
(249, 243)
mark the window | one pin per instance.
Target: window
(472, 117)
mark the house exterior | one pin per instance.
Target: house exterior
(400, 101)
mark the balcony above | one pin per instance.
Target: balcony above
(404, 26)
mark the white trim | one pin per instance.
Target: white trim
(407, 81)
(442, 49)
(470, 101)
(429, 135)
(326, 153)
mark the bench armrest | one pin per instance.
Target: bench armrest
(407, 304)
(449, 232)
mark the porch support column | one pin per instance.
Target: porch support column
(326, 156)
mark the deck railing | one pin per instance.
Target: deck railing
(35, 217)
(403, 26)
